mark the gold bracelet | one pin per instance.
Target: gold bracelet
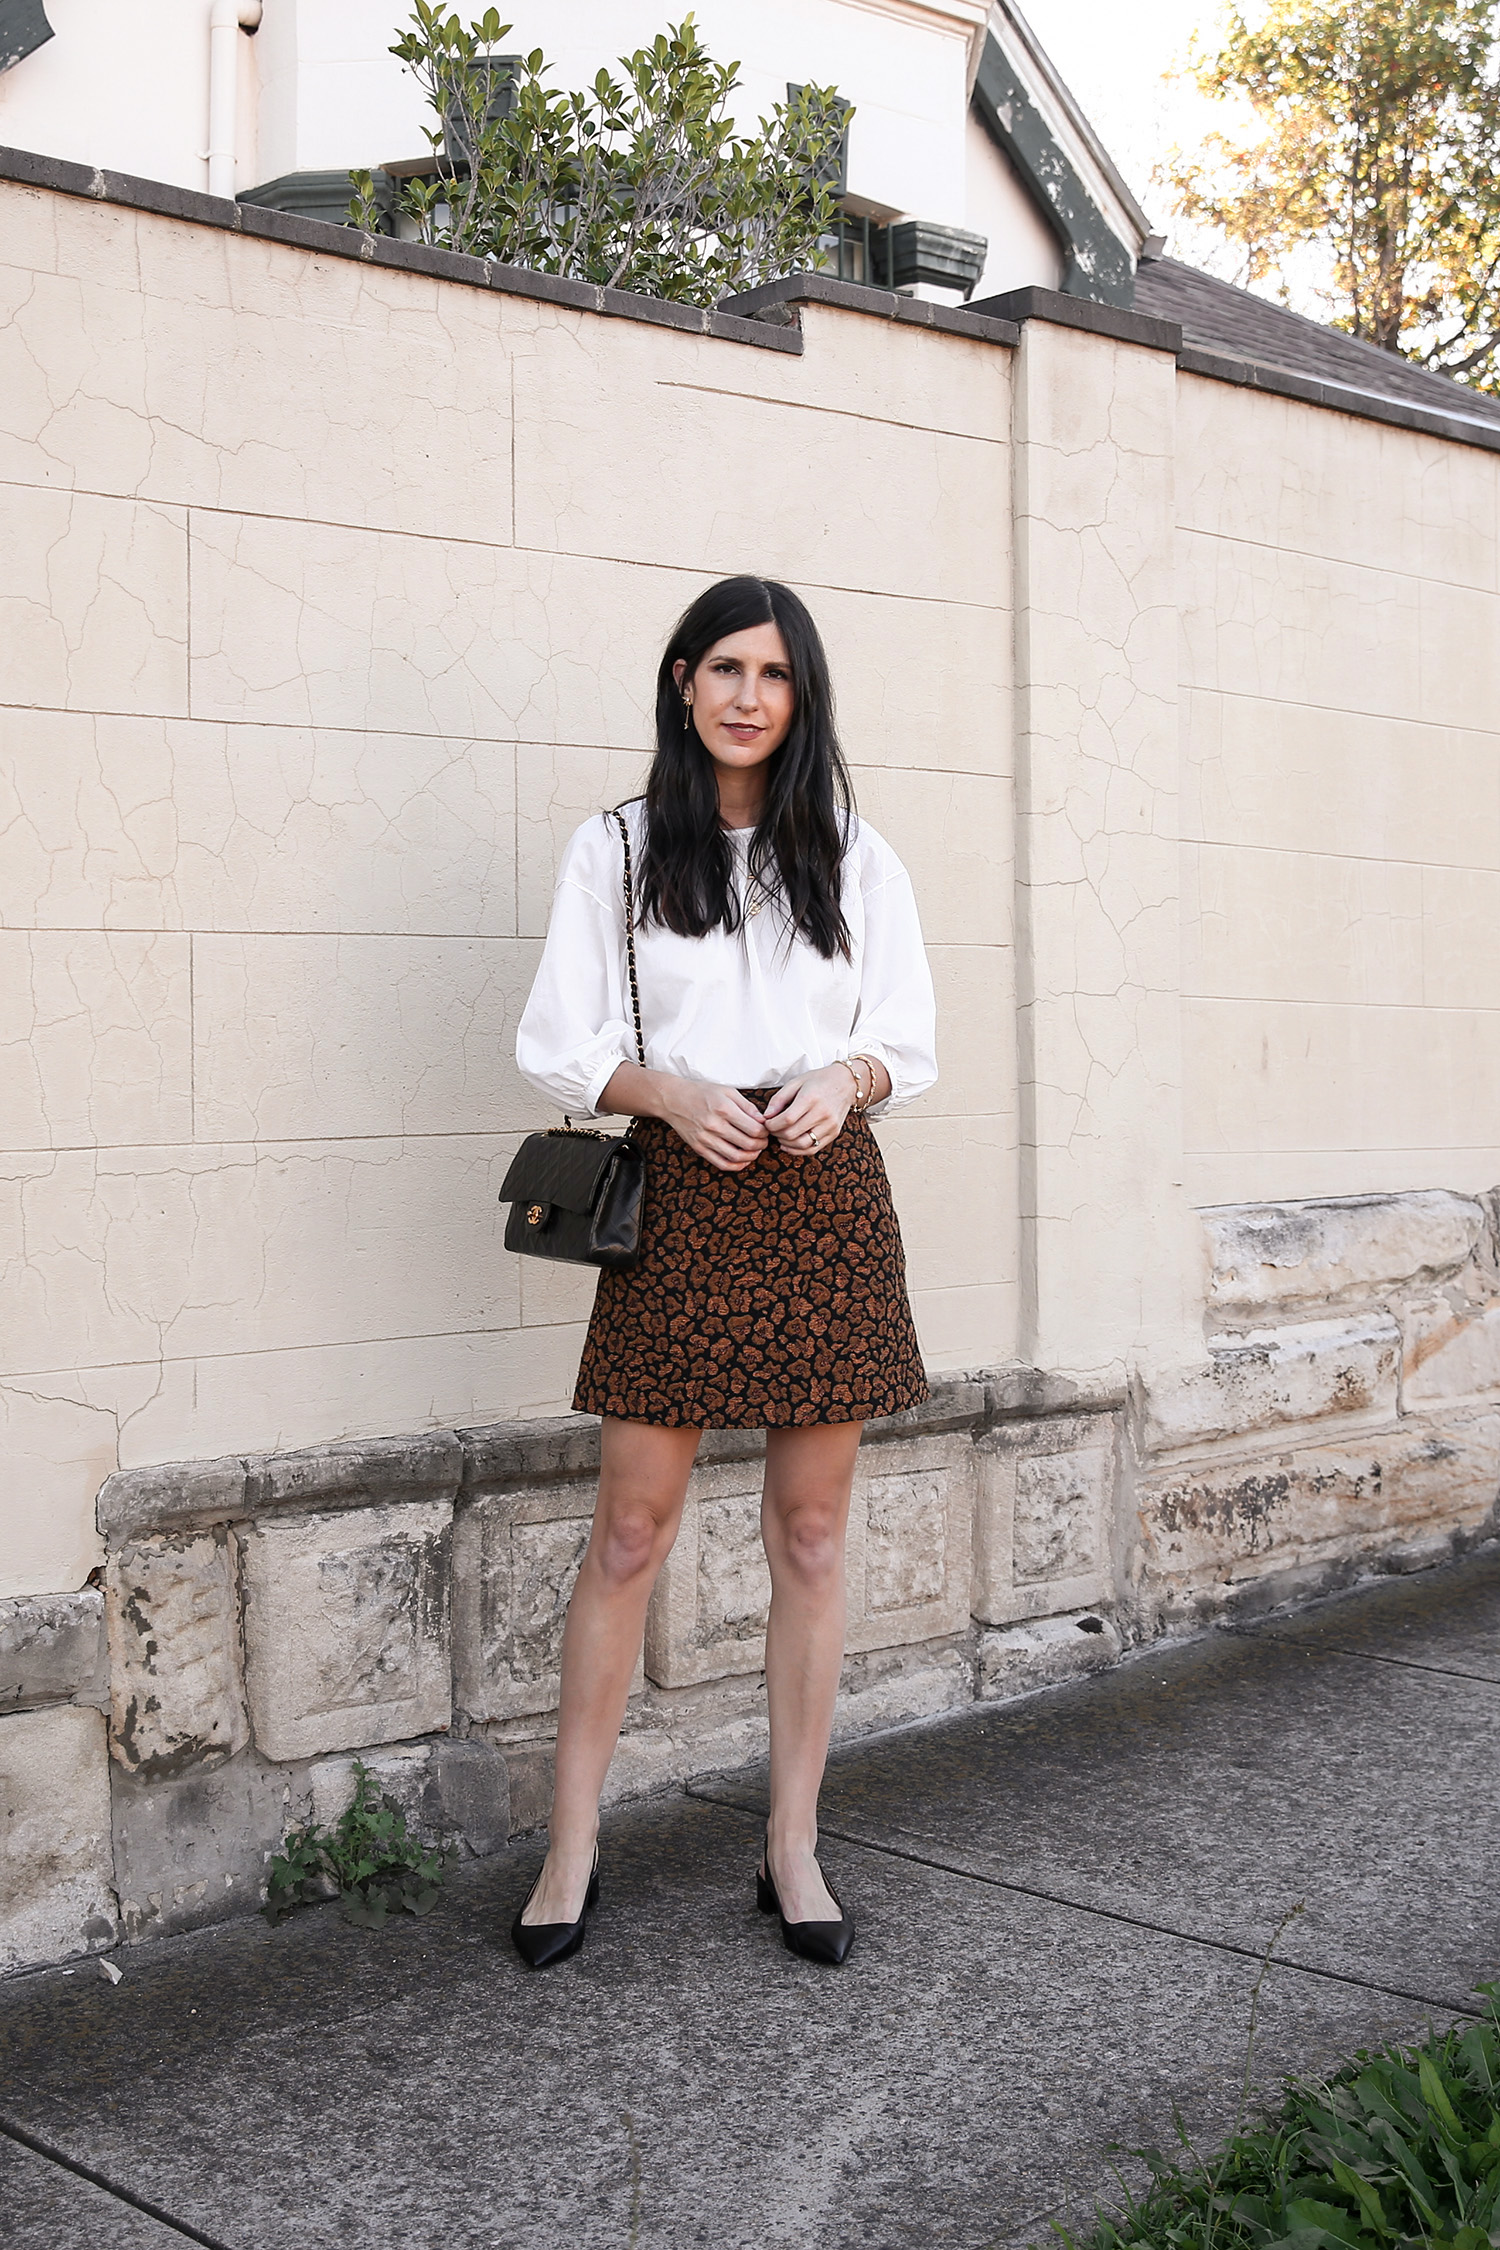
(870, 1095)
(864, 1094)
(858, 1089)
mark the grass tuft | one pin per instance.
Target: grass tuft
(1399, 2150)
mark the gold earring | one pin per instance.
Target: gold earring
(687, 713)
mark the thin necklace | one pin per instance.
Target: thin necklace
(753, 906)
(750, 909)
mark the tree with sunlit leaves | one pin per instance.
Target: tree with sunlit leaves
(1376, 162)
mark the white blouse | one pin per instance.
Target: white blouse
(754, 1007)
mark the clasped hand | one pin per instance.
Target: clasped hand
(805, 1116)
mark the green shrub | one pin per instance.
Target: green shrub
(642, 185)
(1399, 2148)
(369, 1860)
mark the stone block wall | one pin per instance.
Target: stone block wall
(262, 1620)
(1309, 1444)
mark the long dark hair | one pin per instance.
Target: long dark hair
(799, 844)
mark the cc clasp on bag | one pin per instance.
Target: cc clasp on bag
(576, 1195)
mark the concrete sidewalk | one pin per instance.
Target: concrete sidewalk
(1062, 1909)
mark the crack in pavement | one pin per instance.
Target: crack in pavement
(882, 1843)
(40, 2147)
(1373, 1656)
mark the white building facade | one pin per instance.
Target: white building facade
(960, 121)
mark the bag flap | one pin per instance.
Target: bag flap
(561, 1168)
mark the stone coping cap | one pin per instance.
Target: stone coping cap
(1367, 406)
(461, 1464)
(748, 319)
(177, 1492)
(776, 302)
(1017, 305)
(1020, 305)
(1312, 1207)
(160, 198)
(357, 1473)
(764, 317)
(1012, 1392)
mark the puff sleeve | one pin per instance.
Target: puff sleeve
(574, 1034)
(896, 1021)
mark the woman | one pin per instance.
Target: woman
(784, 993)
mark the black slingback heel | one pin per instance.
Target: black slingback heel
(542, 1944)
(828, 1942)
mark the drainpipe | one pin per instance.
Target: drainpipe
(227, 20)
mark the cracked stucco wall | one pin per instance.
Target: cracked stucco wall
(1110, 1255)
(330, 601)
(1340, 600)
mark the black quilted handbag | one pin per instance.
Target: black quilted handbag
(577, 1195)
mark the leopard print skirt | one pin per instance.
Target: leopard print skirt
(761, 1299)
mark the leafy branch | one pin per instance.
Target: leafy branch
(1377, 152)
(641, 184)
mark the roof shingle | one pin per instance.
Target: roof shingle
(1216, 317)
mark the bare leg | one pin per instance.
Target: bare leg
(804, 1515)
(643, 1480)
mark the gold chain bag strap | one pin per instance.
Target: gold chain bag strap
(577, 1195)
